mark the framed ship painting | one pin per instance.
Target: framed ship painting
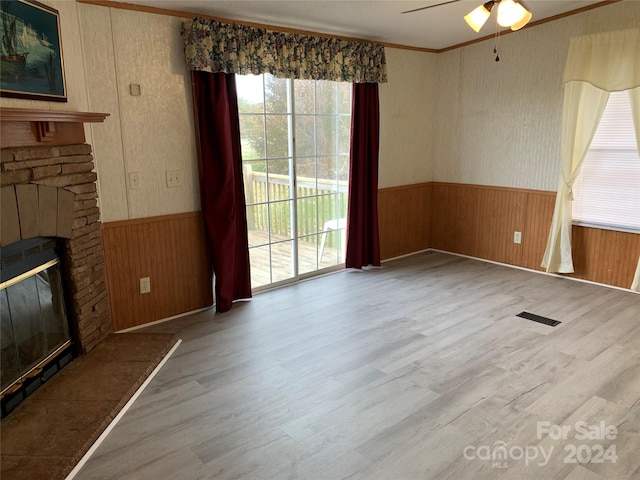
(31, 64)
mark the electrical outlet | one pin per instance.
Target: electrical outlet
(134, 180)
(145, 285)
(175, 178)
(517, 237)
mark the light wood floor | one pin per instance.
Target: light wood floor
(392, 373)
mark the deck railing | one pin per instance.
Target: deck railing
(318, 202)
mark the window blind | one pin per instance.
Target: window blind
(607, 190)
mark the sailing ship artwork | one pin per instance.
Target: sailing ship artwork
(31, 64)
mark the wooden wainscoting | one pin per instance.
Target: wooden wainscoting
(479, 221)
(167, 249)
(404, 219)
(539, 211)
(605, 256)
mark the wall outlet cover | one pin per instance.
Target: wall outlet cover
(145, 285)
(517, 237)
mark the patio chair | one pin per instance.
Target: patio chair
(334, 224)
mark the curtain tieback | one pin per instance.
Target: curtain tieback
(570, 187)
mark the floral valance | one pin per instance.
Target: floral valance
(212, 46)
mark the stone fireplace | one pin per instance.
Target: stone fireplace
(49, 196)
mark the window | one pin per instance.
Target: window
(295, 152)
(607, 190)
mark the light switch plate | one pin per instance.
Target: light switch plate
(175, 178)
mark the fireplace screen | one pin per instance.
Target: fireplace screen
(33, 316)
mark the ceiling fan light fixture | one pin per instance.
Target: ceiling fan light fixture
(478, 16)
(525, 16)
(511, 13)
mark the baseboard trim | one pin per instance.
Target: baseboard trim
(581, 280)
(408, 255)
(163, 320)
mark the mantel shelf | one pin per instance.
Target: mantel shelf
(25, 127)
(32, 115)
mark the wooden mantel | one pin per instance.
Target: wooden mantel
(22, 127)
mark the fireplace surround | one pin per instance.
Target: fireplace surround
(48, 187)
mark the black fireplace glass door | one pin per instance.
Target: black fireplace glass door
(34, 322)
(54, 319)
(28, 328)
(9, 358)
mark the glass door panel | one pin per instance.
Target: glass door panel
(308, 256)
(295, 150)
(260, 259)
(282, 261)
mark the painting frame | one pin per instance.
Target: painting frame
(31, 63)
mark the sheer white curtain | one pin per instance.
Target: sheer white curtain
(583, 107)
(634, 95)
(635, 286)
(596, 65)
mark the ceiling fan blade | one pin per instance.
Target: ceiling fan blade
(431, 6)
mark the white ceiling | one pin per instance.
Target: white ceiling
(377, 20)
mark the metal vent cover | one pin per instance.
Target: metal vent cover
(539, 318)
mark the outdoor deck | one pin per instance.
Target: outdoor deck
(279, 256)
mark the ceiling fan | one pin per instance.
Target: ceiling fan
(511, 13)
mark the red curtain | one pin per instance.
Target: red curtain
(363, 242)
(221, 187)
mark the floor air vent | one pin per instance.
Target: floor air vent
(538, 318)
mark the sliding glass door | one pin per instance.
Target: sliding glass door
(295, 150)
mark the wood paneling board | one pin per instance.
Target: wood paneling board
(539, 211)
(404, 219)
(499, 213)
(442, 224)
(605, 256)
(170, 251)
(480, 220)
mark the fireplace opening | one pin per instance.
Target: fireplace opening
(35, 339)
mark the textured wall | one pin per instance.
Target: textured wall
(149, 134)
(103, 97)
(500, 123)
(407, 123)
(454, 117)
(153, 133)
